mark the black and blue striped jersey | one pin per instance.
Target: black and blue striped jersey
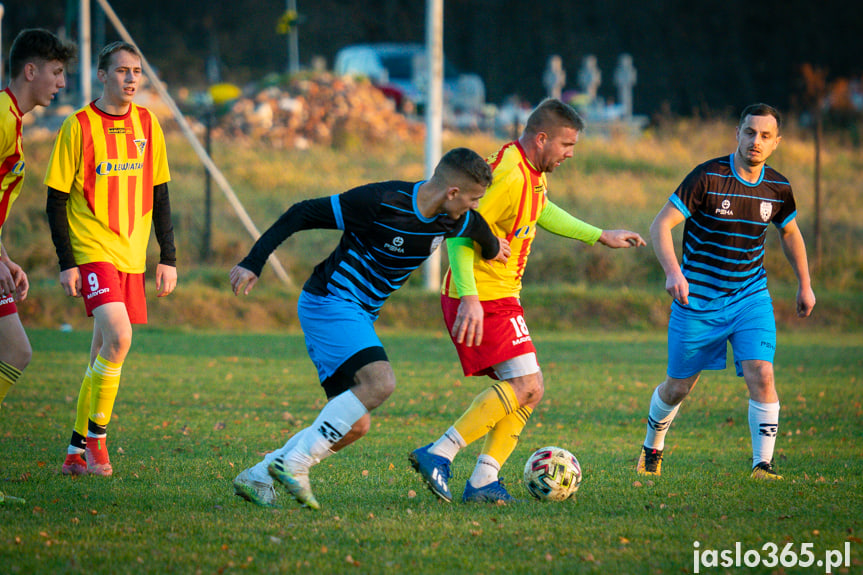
(385, 238)
(726, 226)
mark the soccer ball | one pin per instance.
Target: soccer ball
(552, 474)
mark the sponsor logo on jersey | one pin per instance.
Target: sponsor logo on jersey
(766, 211)
(106, 168)
(396, 246)
(725, 209)
(521, 340)
(538, 189)
(120, 130)
(18, 168)
(436, 243)
(523, 232)
(7, 299)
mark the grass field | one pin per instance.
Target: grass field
(196, 408)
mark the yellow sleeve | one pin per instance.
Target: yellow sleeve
(65, 157)
(558, 221)
(461, 254)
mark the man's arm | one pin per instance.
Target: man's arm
(558, 221)
(305, 215)
(166, 270)
(795, 251)
(663, 246)
(58, 221)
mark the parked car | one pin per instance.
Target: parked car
(399, 70)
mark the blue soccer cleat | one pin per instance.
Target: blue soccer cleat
(434, 470)
(491, 493)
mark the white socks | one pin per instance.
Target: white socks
(763, 426)
(659, 418)
(485, 472)
(449, 444)
(314, 443)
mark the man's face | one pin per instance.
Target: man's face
(49, 79)
(466, 198)
(121, 78)
(558, 146)
(757, 137)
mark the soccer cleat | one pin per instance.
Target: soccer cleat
(491, 493)
(434, 470)
(96, 454)
(764, 470)
(297, 483)
(258, 492)
(649, 462)
(74, 465)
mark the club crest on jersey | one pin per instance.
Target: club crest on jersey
(396, 245)
(436, 242)
(141, 145)
(725, 209)
(766, 211)
(18, 168)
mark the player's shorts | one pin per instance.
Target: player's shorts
(102, 283)
(7, 305)
(698, 340)
(340, 338)
(505, 335)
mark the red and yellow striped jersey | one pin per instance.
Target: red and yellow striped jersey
(511, 206)
(11, 153)
(108, 165)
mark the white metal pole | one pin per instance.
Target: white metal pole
(84, 51)
(434, 116)
(1, 45)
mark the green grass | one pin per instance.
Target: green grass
(195, 409)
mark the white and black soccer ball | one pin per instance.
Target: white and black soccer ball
(552, 474)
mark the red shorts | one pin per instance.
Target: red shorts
(505, 335)
(7, 305)
(101, 283)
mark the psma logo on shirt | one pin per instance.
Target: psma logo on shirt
(725, 209)
(18, 168)
(396, 245)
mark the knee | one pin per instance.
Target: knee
(673, 391)
(529, 389)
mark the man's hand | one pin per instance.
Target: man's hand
(621, 239)
(677, 286)
(504, 252)
(70, 280)
(166, 279)
(467, 327)
(22, 284)
(805, 302)
(241, 277)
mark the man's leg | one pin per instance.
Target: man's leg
(664, 404)
(763, 416)
(15, 352)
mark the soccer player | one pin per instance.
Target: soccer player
(37, 62)
(107, 185)
(482, 309)
(720, 290)
(389, 229)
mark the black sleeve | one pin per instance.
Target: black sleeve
(163, 226)
(59, 224)
(309, 214)
(478, 231)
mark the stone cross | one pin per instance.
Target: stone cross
(625, 77)
(589, 77)
(554, 77)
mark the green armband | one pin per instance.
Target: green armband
(461, 252)
(558, 221)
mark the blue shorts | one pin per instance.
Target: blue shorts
(335, 331)
(698, 340)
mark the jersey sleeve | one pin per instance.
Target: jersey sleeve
(65, 157)
(318, 213)
(690, 193)
(460, 252)
(788, 211)
(357, 208)
(161, 173)
(558, 221)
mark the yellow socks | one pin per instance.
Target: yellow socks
(502, 440)
(9, 374)
(487, 409)
(104, 383)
